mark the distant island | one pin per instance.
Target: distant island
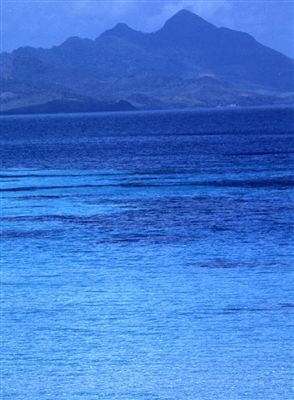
(189, 62)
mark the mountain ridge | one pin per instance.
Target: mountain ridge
(162, 67)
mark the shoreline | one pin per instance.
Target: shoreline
(7, 114)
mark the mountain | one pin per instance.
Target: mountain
(71, 106)
(188, 62)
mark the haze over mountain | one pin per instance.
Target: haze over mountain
(188, 62)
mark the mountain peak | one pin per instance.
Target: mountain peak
(184, 18)
(121, 27)
(75, 42)
(185, 29)
(120, 30)
(184, 14)
(72, 40)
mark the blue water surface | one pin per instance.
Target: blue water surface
(148, 255)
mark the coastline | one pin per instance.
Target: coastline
(149, 110)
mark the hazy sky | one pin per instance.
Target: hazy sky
(44, 23)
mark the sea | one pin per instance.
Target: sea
(148, 255)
